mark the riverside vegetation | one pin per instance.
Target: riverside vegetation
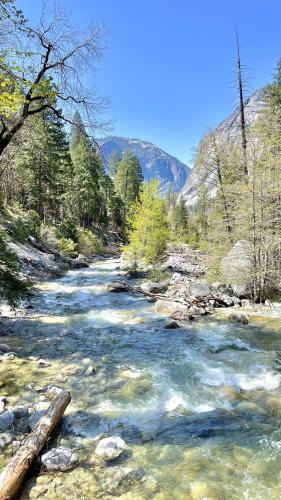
(156, 413)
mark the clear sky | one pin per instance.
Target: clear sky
(168, 65)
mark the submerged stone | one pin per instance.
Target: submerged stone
(110, 448)
(61, 459)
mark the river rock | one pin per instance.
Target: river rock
(61, 459)
(4, 348)
(6, 420)
(54, 390)
(5, 439)
(117, 286)
(21, 420)
(91, 370)
(42, 363)
(150, 287)
(110, 448)
(121, 479)
(235, 317)
(169, 307)
(171, 324)
(197, 289)
(130, 373)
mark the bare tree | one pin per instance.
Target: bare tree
(52, 59)
(241, 105)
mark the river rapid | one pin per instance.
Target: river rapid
(199, 407)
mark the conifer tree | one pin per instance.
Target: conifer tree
(128, 180)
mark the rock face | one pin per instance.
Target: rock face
(236, 268)
(228, 129)
(155, 163)
(110, 448)
(61, 459)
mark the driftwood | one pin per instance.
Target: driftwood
(12, 476)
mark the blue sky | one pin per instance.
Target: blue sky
(168, 66)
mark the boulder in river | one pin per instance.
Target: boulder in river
(4, 348)
(121, 479)
(110, 448)
(169, 307)
(117, 286)
(197, 289)
(171, 324)
(150, 287)
(6, 420)
(60, 459)
(235, 317)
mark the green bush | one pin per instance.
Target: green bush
(88, 243)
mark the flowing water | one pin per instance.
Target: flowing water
(199, 407)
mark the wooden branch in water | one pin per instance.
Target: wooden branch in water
(13, 474)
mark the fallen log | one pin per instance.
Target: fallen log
(12, 476)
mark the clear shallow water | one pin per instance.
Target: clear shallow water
(199, 407)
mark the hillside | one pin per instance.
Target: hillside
(155, 162)
(226, 130)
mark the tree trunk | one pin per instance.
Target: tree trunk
(12, 476)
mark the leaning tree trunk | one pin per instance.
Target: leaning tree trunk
(12, 476)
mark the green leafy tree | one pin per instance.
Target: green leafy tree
(149, 233)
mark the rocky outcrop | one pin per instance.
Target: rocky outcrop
(229, 129)
(155, 163)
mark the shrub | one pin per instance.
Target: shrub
(88, 243)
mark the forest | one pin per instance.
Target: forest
(56, 187)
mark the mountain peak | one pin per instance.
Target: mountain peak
(155, 163)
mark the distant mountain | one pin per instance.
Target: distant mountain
(229, 129)
(155, 163)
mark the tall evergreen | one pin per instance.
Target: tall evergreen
(128, 180)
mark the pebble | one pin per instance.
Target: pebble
(42, 363)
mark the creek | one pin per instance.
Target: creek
(199, 406)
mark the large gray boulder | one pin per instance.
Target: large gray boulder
(169, 307)
(110, 448)
(236, 268)
(150, 287)
(61, 459)
(198, 289)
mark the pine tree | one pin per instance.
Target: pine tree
(149, 233)
(128, 180)
(114, 164)
(178, 218)
(85, 201)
